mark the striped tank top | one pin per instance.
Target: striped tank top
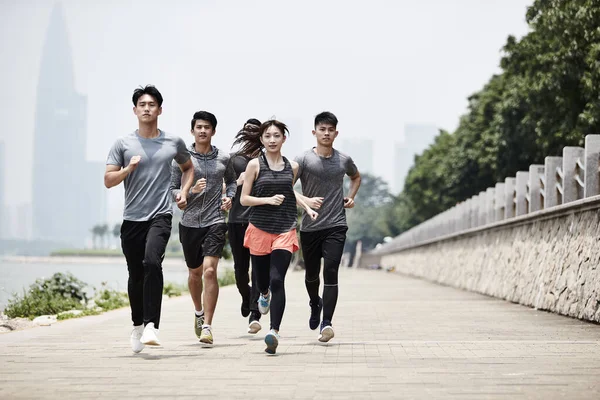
(268, 218)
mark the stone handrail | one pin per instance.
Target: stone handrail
(560, 180)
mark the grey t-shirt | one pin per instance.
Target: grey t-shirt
(324, 177)
(238, 213)
(147, 187)
(204, 208)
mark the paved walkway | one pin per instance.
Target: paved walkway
(397, 337)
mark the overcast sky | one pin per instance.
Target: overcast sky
(378, 65)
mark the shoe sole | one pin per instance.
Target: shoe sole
(206, 341)
(254, 328)
(272, 343)
(326, 335)
(138, 350)
(151, 343)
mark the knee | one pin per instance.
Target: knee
(210, 273)
(311, 276)
(152, 267)
(330, 273)
(276, 285)
(195, 274)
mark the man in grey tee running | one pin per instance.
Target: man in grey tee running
(142, 160)
(321, 174)
(202, 228)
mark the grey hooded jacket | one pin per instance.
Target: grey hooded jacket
(204, 208)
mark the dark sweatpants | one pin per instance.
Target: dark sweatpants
(241, 267)
(144, 244)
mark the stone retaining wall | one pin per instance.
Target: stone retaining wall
(549, 260)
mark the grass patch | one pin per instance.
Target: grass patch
(85, 313)
(173, 290)
(227, 279)
(109, 299)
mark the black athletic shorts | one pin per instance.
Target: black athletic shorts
(200, 242)
(326, 243)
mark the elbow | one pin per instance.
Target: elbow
(107, 182)
(244, 201)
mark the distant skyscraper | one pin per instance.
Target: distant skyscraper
(68, 196)
(294, 144)
(416, 139)
(3, 212)
(361, 151)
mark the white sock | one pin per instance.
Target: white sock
(199, 313)
(206, 326)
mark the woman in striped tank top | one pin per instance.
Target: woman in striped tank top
(271, 234)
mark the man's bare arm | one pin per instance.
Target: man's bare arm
(115, 174)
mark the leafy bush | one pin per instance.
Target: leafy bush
(59, 293)
(172, 289)
(109, 299)
(34, 304)
(65, 285)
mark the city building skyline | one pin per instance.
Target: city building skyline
(3, 211)
(417, 138)
(68, 196)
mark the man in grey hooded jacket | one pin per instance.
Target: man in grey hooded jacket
(202, 228)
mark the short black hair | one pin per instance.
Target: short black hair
(326, 117)
(204, 116)
(254, 121)
(149, 90)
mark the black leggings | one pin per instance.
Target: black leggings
(326, 244)
(270, 272)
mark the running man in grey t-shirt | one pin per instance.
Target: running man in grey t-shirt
(142, 160)
(202, 229)
(321, 174)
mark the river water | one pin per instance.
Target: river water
(17, 273)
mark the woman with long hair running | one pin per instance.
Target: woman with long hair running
(271, 235)
(249, 147)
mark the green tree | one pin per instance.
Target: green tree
(96, 234)
(103, 234)
(546, 97)
(366, 221)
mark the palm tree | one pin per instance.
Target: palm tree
(96, 232)
(103, 233)
(117, 231)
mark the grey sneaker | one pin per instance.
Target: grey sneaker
(264, 303)
(198, 322)
(272, 341)
(206, 336)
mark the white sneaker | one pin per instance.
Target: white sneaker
(254, 327)
(134, 339)
(150, 335)
(264, 303)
